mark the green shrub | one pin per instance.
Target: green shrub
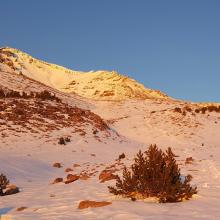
(154, 174)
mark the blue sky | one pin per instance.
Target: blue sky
(170, 45)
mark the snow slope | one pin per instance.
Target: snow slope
(135, 123)
(28, 163)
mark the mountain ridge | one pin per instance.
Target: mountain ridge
(96, 85)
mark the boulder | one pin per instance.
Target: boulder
(107, 175)
(21, 208)
(71, 178)
(93, 204)
(68, 170)
(11, 189)
(57, 165)
(189, 160)
(84, 177)
(58, 180)
(76, 165)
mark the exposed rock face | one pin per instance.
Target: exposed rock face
(93, 204)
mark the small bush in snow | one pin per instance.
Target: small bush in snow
(46, 95)
(3, 183)
(62, 141)
(177, 109)
(154, 173)
(43, 95)
(210, 108)
(121, 156)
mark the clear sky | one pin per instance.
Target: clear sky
(170, 45)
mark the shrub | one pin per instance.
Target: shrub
(204, 109)
(2, 94)
(154, 174)
(121, 156)
(177, 109)
(210, 108)
(188, 109)
(44, 95)
(3, 183)
(62, 141)
(95, 132)
(197, 110)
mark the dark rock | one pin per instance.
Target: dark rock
(93, 204)
(71, 178)
(58, 180)
(11, 189)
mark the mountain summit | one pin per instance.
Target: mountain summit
(97, 85)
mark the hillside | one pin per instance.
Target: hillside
(31, 125)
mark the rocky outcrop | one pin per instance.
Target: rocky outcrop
(93, 204)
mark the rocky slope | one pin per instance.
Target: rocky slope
(33, 108)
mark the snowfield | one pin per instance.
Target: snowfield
(134, 123)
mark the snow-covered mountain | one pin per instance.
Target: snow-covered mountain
(30, 128)
(98, 85)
